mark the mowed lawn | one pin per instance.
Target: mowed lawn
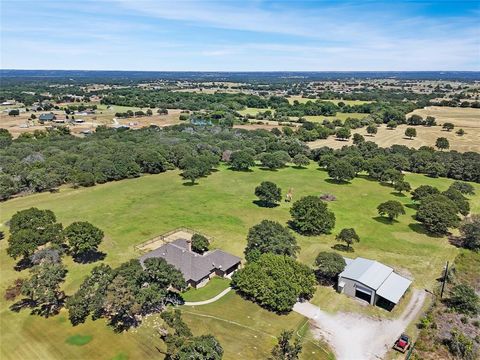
(132, 211)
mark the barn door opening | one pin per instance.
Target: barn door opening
(363, 293)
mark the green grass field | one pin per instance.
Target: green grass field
(254, 111)
(214, 287)
(339, 115)
(132, 211)
(302, 100)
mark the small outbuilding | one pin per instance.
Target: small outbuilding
(46, 117)
(373, 282)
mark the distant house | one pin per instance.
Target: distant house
(201, 122)
(373, 282)
(46, 117)
(197, 269)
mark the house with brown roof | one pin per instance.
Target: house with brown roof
(197, 269)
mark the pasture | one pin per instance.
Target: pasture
(466, 118)
(302, 100)
(222, 206)
(103, 116)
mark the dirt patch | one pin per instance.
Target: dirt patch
(355, 336)
(17, 125)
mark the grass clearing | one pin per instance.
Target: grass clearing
(426, 136)
(132, 211)
(79, 340)
(231, 318)
(339, 115)
(214, 287)
(303, 100)
(253, 111)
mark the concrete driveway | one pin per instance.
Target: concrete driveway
(358, 337)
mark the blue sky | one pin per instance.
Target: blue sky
(233, 35)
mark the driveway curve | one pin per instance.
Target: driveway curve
(355, 336)
(209, 301)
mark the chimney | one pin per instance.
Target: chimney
(189, 244)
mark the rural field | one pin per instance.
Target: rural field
(467, 119)
(222, 206)
(104, 116)
(335, 101)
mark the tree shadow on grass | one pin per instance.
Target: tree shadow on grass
(189, 183)
(22, 304)
(240, 170)
(367, 177)
(90, 257)
(456, 241)
(397, 194)
(384, 220)
(412, 206)
(265, 204)
(268, 169)
(344, 248)
(23, 264)
(419, 229)
(298, 167)
(337, 182)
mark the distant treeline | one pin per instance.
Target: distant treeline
(127, 77)
(45, 160)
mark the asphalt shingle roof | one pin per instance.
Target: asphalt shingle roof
(193, 266)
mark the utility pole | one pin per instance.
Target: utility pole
(444, 280)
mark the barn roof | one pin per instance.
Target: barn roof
(394, 287)
(378, 277)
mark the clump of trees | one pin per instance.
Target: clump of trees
(274, 160)
(301, 160)
(270, 237)
(328, 266)
(464, 299)
(181, 344)
(124, 294)
(341, 170)
(83, 239)
(461, 345)
(423, 191)
(438, 213)
(410, 132)
(242, 160)
(42, 290)
(470, 232)
(348, 236)
(32, 228)
(391, 208)
(200, 243)
(286, 348)
(268, 193)
(275, 282)
(310, 216)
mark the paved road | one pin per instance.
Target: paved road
(209, 301)
(355, 336)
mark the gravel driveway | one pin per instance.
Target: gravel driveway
(358, 337)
